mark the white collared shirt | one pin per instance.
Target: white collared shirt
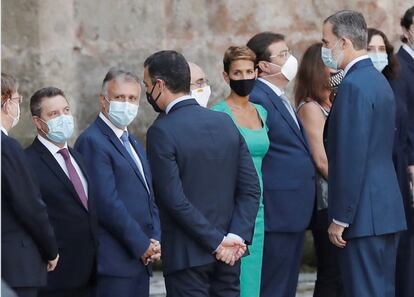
(118, 132)
(285, 101)
(408, 49)
(4, 130)
(175, 101)
(54, 149)
(353, 62)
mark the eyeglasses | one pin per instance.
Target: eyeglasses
(122, 98)
(283, 54)
(200, 83)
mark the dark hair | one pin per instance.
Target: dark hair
(9, 85)
(350, 24)
(37, 98)
(171, 67)
(392, 69)
(118, 74)
(260, 43)
(234, 53)
(312, 78)
(407, 21)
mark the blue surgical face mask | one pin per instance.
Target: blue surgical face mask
(380, 60)
(60, 128)
(328, 58)
(122, 114)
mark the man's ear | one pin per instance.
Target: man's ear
(263, 66)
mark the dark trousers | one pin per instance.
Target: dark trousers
(328, 280)
(404, 284)
(77, 292)
(212, 280)
(367, 266)
(111, 286)
(26, 292)
(282, 256)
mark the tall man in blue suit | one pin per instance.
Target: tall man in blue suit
(128, 218)
(288, 170)
(365, 204)
(205, 185)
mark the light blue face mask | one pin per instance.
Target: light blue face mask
(379, 59)
(328, 58)
(122, 114)
(60, 128)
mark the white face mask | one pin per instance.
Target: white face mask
(380, 60)
(289, 69)
(17, 117)
(201, 95)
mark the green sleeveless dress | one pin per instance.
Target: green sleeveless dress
(258, 144)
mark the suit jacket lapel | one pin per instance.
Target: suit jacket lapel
(56, 169)
(142, 157)
(277, 102)
(406, 57)
(119, 146)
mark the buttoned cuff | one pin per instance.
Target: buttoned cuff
(345, 225)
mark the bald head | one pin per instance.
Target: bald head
(197, 75)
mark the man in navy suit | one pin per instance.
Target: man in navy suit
(205, 184)
(28, 244)
(404, 89)
(365, 204)
(288, 170)
(128, 218)
(68, 195)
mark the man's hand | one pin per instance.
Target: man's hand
(335, 235)
(51, 265)
(230, 251)
(153, 253)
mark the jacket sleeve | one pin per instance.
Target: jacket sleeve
(112, 213)
(247, 195)
(169, 191)
(24, 197)
(348, 137)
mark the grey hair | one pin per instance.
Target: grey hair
(118, 74)
(350, 24)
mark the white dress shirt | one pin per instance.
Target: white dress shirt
(353, 62)
(118, 132)
(4, 130)
(175, 101)
(54, 150)
(408, 49)
(284, 98)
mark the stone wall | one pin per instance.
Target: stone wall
(72, 43)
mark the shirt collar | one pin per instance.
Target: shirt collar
(274, 88)
(408, 49)
(118, 132)
(353, 62)
(175, 101)
(53, 148)
(4, 130)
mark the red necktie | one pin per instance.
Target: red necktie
(74, 177)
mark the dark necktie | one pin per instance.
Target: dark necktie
(74, 177)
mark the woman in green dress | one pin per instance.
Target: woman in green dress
(250, 119)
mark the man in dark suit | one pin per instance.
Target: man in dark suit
(128, 217)
(204, 181)
(67, 193)
(28, 245)
(365, 204)
(288, 170)
(404, 89)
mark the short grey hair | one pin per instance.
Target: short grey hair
(120, 75)
(350, 24)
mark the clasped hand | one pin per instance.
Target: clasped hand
(230, 251)
(153, 253)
